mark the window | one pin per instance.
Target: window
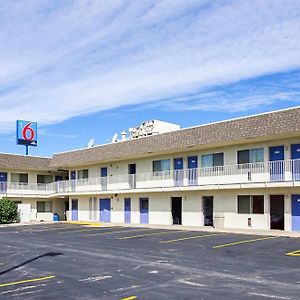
(19, 177)
(250, 204)
(83, 174)
(212, 160)
(44, 206)
(250, 156)
(161, 165)
(44, 178)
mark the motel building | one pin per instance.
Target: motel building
(241, 173)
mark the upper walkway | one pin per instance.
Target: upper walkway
(257, 175)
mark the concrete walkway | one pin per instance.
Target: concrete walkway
(291, 234)
(212, 229)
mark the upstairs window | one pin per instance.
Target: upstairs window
(44, 178)
(19, 177)
(212, 160)
(250, 156)
(83, 174)
(250, 204)
(161, 166)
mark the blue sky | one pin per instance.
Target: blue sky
(85, 69)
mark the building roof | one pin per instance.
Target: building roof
(24, 163)
(279, 124)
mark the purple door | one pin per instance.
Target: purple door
(144, 210)
(178, 171)
(127, 210)
(105, 210)
(295, 156)
(3, 182)
(193, 170)
(74, 210)
(296, 212)
(277, 163)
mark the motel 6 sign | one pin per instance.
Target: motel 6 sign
(26, 133)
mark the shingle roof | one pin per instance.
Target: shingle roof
(24, 163)
(281, 123)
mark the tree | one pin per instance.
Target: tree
(8, 211)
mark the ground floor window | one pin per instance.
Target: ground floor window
(248, 204)
(44, 206)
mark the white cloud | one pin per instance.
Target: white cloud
(70, 58)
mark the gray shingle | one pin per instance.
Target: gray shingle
(239, 130)
(23, 163)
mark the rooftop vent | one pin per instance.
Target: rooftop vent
(152, 127)
(148, 128)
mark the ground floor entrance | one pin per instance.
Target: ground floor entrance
(277, 212)
(105, 210)
(176, 210)
(208, 210)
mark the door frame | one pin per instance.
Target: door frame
(109, 216)
(181, 213)
(178, 173)
(140, 204)
(270, 221)
(129, 200)
(295, 218)
(132, 175)
(73, 211)
(3, 183)
(277, 170)
(203, 209)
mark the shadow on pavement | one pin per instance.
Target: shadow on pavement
(31, 260)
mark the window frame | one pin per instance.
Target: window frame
(212, 160)
(19, 177)
(46, 208)
(250, 156)
(83, 174)
(44, 177)
(251, 210)
(159, 169)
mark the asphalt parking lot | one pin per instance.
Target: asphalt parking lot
(56, 261)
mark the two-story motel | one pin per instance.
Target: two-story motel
(241, 173)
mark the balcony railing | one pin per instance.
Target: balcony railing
(262, 172)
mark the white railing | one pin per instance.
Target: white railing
(278, 171)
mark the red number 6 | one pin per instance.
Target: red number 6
(27, 129)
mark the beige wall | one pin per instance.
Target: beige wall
(230, 158)
(225, 208)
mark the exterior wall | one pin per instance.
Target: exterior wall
(225, 208)
(230, 158)
(225, 201)
(57, 207)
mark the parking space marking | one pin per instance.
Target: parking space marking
(294, 253)
(130, 298)
(189, 238)
(49, 229)
(244, 242)
(87, 229)
(148, 234)
(121, 231)
(26, 281)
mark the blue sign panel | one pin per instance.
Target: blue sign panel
(26, 133)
